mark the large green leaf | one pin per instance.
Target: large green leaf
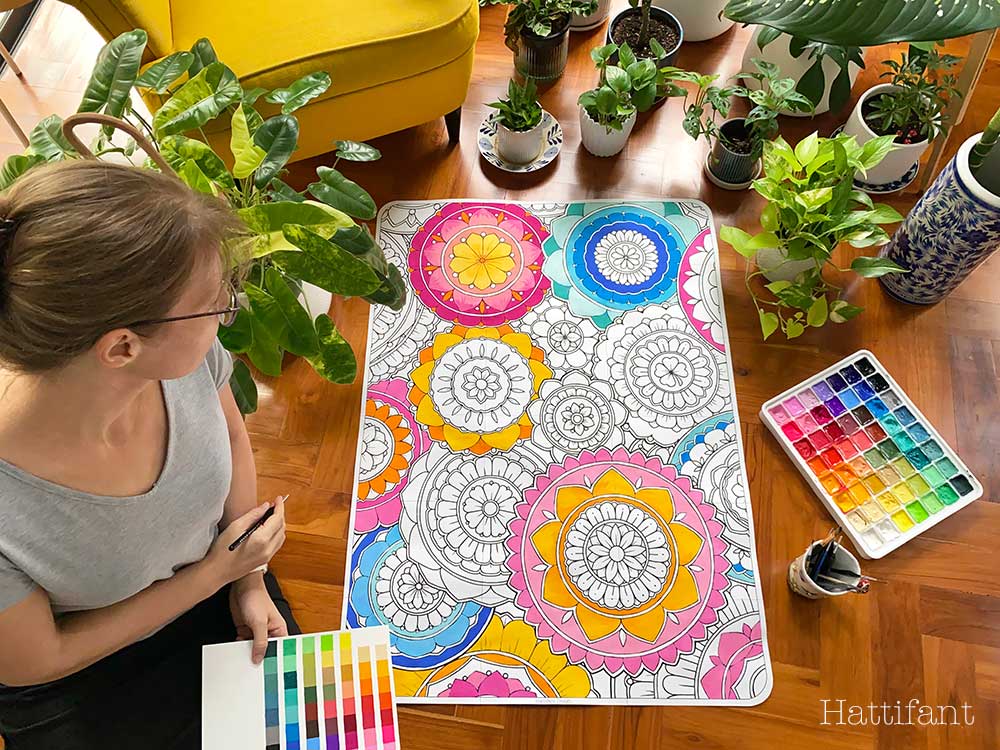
(17, 165)
(264, 351)
(117, 66)
(192, 176)
(336, 190)
(336, 361)
(204, 55)
(278, 137)
(268, 221)
(355, 151)
(308, 87)
(47, 140)
(201, 99)
(160, 75)
(865, 23)
(178, 149)
(243, 388)
(284, 192)
(247, 156)
(873, 267)
(277, 310)
(324, 264)
(238, 337)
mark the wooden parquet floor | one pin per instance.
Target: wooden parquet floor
(932, 632)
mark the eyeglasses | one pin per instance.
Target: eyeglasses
(226, 316)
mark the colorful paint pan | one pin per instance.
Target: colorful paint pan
(874, 459)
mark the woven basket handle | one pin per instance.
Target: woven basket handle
(144, 143)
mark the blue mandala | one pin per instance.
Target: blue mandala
(612, 260)
(427, 626)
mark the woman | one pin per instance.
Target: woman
(125, 468)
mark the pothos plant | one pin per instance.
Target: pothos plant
(294, 237)
(812, 207)
(631, 85)
(540, 17)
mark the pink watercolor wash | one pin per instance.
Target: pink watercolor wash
(492, 684)
(515, 257)
(699, 290)
(735, 650)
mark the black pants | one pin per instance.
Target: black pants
(145, 697)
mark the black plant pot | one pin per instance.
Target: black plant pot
(543, 57)
(658, 13)
(728, 168)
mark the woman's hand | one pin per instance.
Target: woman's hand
(254, 614)
(254, 551)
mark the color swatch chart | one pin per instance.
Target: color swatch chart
(877, 463)
(323, 691)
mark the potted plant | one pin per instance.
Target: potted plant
(700, 19)
(954, 227)
(811, 208)
(911, 107)
(520, 134)
(737, 144)
(537, 31)
(641, 24)
(588, 21)
(292, 241)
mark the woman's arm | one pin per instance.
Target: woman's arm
(77, 640)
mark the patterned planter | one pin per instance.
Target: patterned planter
(600, 141)
(730, 169)
(953, 228)
(543, 57)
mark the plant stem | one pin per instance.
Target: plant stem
(986, 143)
(647, 6)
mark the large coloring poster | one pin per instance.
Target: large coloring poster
(551, 501)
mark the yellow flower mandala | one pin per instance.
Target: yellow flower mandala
(482, 260)
(473, 387)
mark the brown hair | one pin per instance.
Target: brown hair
(87, 247)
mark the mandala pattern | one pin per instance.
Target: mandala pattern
(479, 264)
(552, 503)
(390, 440)
(612, 259)
(668, 377)
(473, 387)
(700, 291)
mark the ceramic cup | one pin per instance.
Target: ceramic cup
(800, 582)
(596, 138)
(520, 147)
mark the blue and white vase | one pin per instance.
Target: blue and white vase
(953, 228)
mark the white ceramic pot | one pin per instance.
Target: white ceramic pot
(314, 299)
(592, 20)
(884, 176)
(520, 147)
(596, 138)
(699, 18)
(793, 67)
(774, 264)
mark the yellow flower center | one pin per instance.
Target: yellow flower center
(482, 260)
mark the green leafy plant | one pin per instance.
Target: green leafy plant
(520, 111)
(812, 84)
(293, 237)
(631, 85)
(866, 23)
(915, 110)
(774, 95)
(986, 143)
(539, 17)
(812, 207)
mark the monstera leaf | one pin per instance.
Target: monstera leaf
(865, 23)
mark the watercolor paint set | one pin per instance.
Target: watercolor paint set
(322, 691)
(870, 455)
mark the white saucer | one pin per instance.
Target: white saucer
(552, 144)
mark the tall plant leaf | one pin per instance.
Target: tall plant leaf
(204, 55)
(17, 165)
(283, 192)
(246, 155)
(177, 149)
(117, 66)
(192, 176)
(47, 140)
(201, 99)
(264, 352)
(336, 190)
(355, 151)
(277, 310)
(336, 361)
(302, 91)
(237, 338)
(278, 137)
(324, 264)
(243, 388)
(160, 75)
(866, 23)
(268, 220)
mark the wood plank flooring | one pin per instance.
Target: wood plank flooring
(931, 633)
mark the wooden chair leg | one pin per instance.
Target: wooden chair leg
(453, 121)
(5, 53)
(13, 123)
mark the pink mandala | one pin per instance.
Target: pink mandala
(700, 290)
(617, 561)
(391, 440)
(479, 263)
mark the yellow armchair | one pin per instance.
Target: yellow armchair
(394, 63)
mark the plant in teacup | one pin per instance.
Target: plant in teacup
(811, 208)
(520, 130)
(911, 107)
(737, 144)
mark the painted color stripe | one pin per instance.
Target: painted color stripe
(330, 711)
(347, 691)
(289, 664)
(309, 691)
(385, 698)
(272, 729)
(365, 673)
